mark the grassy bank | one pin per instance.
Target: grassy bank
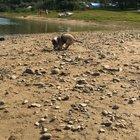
(90, 15)
(103, 15)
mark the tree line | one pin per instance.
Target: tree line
(8, 5)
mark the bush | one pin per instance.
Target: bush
(4, 8)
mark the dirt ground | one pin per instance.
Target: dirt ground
(89, 92)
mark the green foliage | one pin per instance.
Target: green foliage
(62, 4)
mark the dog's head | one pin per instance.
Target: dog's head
(55, 42)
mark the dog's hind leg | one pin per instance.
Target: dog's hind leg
(68, 43)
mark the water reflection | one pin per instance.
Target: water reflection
(18, 26)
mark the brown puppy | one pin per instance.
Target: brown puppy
(64, 39)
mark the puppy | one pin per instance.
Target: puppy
(65, 39)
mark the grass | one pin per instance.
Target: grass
(103, 15)
(90, 15)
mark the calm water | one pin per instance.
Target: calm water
(18, 26)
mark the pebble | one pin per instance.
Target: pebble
(101, 130)
(107, 123)
(2, 38)
(65, 98)
(25, 102)
(28, 71)
(76, 128)
(42, 120)
(44, 130)
(116, 80)
(57, 107)
(36, 105)
(105, 112)
(81, 81)
(46, 136)
(2, 103)
(83, 104)
(13, 77)
(109, 68)
(12, 137)
(40, 85)
(95, 74)
(55, 71)
(68, 127)
(122, 41)
(132, 100)
(109, 94)
(115, 107)
(37, 123)
(102, 97)
(121, 125)
(37, 72)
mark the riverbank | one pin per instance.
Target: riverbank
(89, 92)
(103, 18)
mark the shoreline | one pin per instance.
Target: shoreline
(111, 25)
(58, 20)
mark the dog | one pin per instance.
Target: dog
(65, 39)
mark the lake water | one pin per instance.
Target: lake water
(19, 26)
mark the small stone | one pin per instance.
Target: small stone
(114, 128)
(46, 136)
(28, 71)
(102, 97)
(12, 137)
(101, 130)
(67, 60)
(25, 102)
(2, 38)
(64, 73)
(52, 118)
(59, 98)
(35, 105)
(121, 125)
(65, 98)
(122, 41)
(55, 71)
(13, 77)
(83, 104)
(68, 127)
(57, 107)
(115, 107)
(105, 112)
(132, 100)
(109, 68)
(37, 72)
(116, 80)
(2, 103)
(81, 81)
(95, 74)
(37, 124)
(42, 120)
(79, 86)
(40, 85)
(44, 130)
(74, 128)
(70, 122)
(109, 94)
(107, 123)
(88, 88)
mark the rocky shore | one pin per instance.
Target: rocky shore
(89, 92)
